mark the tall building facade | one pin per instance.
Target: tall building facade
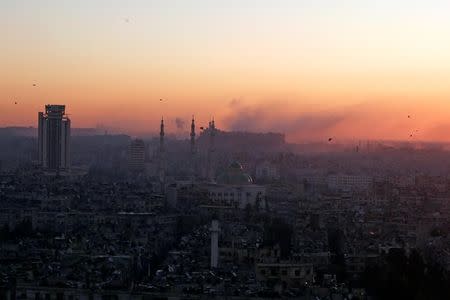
(136, 156)
(54, 138)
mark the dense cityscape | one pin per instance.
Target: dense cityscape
(219, 214)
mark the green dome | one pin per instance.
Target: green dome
(236, 166)
(234, 175)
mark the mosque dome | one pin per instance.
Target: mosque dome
(234, 175)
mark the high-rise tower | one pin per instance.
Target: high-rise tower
(54, 138)
(136, 156)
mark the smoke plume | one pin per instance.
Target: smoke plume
(366, 120)
(180, 123)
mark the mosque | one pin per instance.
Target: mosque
(235, 188)
(232, 188)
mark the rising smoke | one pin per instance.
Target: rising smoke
(180, 123)
(359, 121)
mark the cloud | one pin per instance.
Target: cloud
(235, 102)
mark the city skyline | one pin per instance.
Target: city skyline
(310, 70)
(227, 149)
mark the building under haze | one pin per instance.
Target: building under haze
(235, 188)
(136, 156)
(54, 138)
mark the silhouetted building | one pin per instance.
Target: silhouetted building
(136, 155)
(54, 138)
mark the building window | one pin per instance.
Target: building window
(284, 272)
(297, 272)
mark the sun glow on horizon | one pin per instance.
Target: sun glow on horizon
(359, 67)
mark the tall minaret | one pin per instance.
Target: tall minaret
(161, 135)
(161, 167)
(212, 134)
(193, 150)
(214, 229)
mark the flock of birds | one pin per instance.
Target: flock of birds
(15, 101)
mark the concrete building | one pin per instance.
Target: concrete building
(235, 188)
(54, 138)
(288, 273)
(136, 156)
(266, 171)
(349, 182)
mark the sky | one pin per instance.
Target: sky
(350, 69)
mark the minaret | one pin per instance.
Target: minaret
(193, 150)
(212, 134)
(214, 243)
(161, 167)
(193, 136)
(161, 136)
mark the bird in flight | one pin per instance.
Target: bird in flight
(34, 84)
(409, 117)
(201, 128)
(330, 139)
(15, 102)
(160, 100)
(127, 20)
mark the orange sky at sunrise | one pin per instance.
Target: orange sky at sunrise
(311, 69)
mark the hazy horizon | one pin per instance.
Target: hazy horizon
(310, 69)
